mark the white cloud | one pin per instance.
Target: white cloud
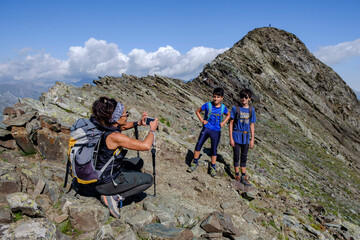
(99, 58)
(335, 54)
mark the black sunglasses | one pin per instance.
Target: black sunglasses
(244, 96)
(126, 114)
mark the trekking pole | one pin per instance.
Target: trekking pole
(153, 151)
(136, 135)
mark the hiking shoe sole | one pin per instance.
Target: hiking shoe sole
(112, 204)
(244, 181)
(212, 172)
(192, 168)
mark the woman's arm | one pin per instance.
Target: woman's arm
(129, 125)
(252, 131)
(116, 139)
(231, 126)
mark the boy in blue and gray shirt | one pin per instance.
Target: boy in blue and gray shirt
(242, 121)
(212, 123)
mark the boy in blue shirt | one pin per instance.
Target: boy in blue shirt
(212, 123)
(242, 121)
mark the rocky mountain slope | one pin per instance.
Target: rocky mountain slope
(304, 167)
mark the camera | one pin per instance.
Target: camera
(148, 120)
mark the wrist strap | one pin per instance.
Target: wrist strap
(135, 123)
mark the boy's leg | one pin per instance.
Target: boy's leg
(202, 139)
(236, 158)
(196, 154)
(244, 152)
(215, 139)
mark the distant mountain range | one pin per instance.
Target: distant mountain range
(10, 93)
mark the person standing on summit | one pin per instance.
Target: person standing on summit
(212, 123)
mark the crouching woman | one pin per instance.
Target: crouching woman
(119, 181)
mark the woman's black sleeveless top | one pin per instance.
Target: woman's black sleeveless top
(105, 154)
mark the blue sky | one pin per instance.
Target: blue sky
(47, 41)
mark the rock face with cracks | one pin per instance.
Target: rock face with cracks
(304, 167)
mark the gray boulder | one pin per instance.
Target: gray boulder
(159, 231)
(23, 203)
(31, 229)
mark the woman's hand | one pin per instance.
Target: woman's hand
(143, 118)
(205, 122)
(154, 124)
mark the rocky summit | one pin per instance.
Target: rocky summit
(304, 168)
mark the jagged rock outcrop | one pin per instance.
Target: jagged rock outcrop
(304, 167)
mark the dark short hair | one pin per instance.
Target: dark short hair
(218, 91)
(102, 110)
(247, 92)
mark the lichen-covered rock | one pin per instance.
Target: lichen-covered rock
(10, 183)
(9, 178)
(137, 218)
(159, 231)
(4, 133)
(87, 214)
(22, 139)
(105, 233)
(5, 213)
(22, 202)
(31, 229)
(52, 145)
(20, 120)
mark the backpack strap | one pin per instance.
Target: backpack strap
(250, 113)
(222, 112)
(237, 115)
(209, 111)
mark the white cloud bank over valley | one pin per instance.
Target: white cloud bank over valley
(344, 58)
(99, 58)
(335, 54)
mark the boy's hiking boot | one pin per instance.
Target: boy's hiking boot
(244, 180)
(113, 202)
(212, 171)
(192, 167)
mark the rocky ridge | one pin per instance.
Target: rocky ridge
(304, 167)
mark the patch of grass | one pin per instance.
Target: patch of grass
(68, 229)
(110, 220)
(316, 227)
(272, 223)
(164, 121)
(18, 216)
(57, 205)
(31, 153)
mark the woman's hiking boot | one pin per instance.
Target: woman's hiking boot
(192, 167)
(114, 203)
(244, 180)
(212, 171)
(237, 177)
